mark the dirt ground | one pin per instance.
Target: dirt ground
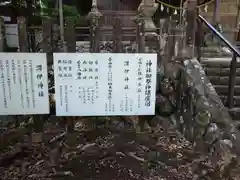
(109, 151)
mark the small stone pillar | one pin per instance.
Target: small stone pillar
(146, 10)
(94, 17)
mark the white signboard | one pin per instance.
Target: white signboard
(23, 84)
(104, 84)
(6, 18)
(11, 31)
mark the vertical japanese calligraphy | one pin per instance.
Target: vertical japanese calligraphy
(86, 72)
(65, 68)
(139, 81)
(105, 84)
(109, 106)
(24, 87)
(148, 87)
(39, 77)
(126, 104)
(3, 84)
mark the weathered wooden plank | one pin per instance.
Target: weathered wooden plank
(23, 35)
(47, 40)
(70, 35)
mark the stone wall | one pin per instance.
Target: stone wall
(186, 95)
(204, 118)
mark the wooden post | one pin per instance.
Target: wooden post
(2, 36)
(70, 37)
(23, 44)
(171, 40)
(2, 49)
(37, 135)
(199, 35)
(140, 49)
(31, 17)
(117, 36)
(199, 39)
(232, 81)
(23, 38)
(191, 26)
(61, 23)
(47, 48)
(159, 40)
(140, 36)
(47, 40)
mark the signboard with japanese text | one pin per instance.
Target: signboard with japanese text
(11, 32)
(23, 84)
(104, 84)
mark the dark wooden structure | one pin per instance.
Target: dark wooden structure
(130, 5)
(9, 10)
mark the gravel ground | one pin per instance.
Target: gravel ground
(107, 152)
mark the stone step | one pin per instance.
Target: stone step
(236, 100)
(218, 62)
(235, 113)
(220, 71)
(222, 80)
(223, 90)
(218, 65)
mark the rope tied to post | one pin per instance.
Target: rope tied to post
(181, 8)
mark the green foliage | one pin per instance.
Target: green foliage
(49, 8)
